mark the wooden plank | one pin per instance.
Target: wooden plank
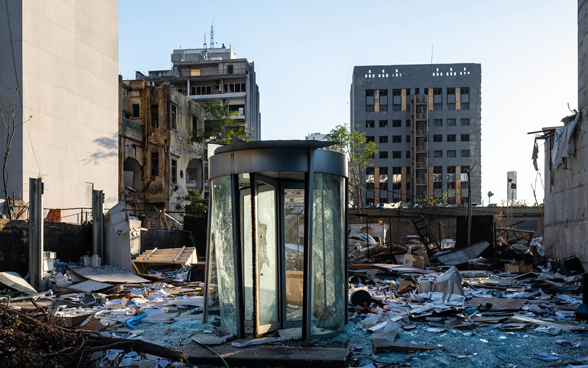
(276, 357)
(536, 321)
(384, 346)
(150, 253)
(110, 274)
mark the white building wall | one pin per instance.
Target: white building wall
(70, 88)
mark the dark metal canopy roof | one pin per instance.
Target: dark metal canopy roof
(276, 157)
(242, 145)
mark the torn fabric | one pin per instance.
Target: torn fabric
(563, 144)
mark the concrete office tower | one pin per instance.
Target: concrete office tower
(203, 74)
(63, 57)
(426, 120)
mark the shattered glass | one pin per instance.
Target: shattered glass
(328, 297)
(221, 284)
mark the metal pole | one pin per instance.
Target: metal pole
(346, 283)
(469, 208)
(237, 255)
(98, 222)
(36, 232)
(254, 270)
(307, 279)
(208, 265)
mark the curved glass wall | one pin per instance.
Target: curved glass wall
(221, 272)
(328, 291)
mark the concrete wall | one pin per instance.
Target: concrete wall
(566, 190)
(400, 224)
(69, 241)
(68, 75)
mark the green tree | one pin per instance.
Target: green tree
(360, 153)
(195, 202)
(220, 124)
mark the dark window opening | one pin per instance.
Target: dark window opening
(383, 154)
(174, 116)
(465, 137)
(174, 171)
(383, 139)
(370, 138)
(464, 90)
(450, 122)
(383, 123)
(437, 91)
(465, 106)
(408, 123)
(465, 122)
(154, 116)
(438, 122)
(194, 123)
(369, 123)
(438, 154)
(407, 154)
(396, 92)
(229, 69)
(408, 139)
(136, 111)
(450, 91)
(154, 163)
(451, 153)
(450, 137)
(396, 154)
(437, 138)
(465, 153)
(396, 123)
(397, 139)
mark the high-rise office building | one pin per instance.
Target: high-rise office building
(426, 120)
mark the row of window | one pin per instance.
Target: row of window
(398, 123)
(436, 91)
(436, 154)
(173, 119)
(437, 173)
(436, 138)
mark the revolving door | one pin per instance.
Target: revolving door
(276, 253)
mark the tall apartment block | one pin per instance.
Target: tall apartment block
(426, 120)
(62, 56)
(215, 73)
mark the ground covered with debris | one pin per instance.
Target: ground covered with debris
(473, 315)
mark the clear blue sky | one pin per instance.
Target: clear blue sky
(304, 53)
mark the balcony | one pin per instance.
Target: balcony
(421, 149)
(132, 124)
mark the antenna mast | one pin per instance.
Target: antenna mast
(212, 35)
(432, 53)
(204, 44)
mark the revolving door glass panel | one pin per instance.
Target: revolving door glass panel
(267, 255)
(328, 292)
(294, 252)
(221, 272)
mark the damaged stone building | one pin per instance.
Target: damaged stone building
(566, 177)
(215, 73)
(158, 161)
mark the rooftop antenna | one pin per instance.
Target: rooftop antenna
(432, 53)
(212, 35)
(204, 44)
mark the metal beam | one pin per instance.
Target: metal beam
(36, 232)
